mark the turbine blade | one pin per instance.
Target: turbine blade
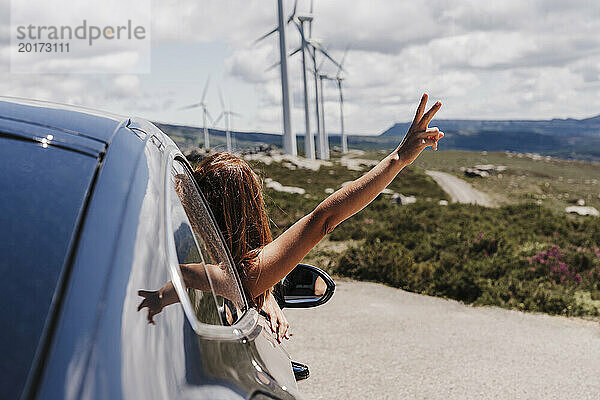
(266, 35)
(210, 118)
(299, 49)
(321, 65)
(293, 14)
(300, 30)
(205, 90)
(326, 54)
(274, 65)
(310, 22)
(345, 54)
(218, 119)
(191, 106)
(221, 99)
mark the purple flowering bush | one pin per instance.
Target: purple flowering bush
(523, 257)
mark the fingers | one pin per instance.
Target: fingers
(283, 329)
(420, 109)
(430, 133)
(426, 142)
(429, 114)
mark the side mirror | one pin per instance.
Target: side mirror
(306, 286)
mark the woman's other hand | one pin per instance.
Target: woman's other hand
(152, 300)
(277, 320)
(419, 135)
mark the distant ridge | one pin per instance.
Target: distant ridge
(565, 138)
(554, 127)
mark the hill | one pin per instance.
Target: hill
(565, 138)
(589, 127)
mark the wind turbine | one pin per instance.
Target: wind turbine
(312, 46)
(338, 78)
(300, 21)
(227, 113)
(289, 138)
(205, 113)
(323, 139)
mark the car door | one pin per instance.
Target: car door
(246, 345)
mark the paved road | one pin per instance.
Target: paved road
(459, 190)
(375, 342)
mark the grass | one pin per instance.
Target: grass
(555, 183)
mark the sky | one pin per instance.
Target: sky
(484, 60)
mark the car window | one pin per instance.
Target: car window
(42, 196)
(208, 274)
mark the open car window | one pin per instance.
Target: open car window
(208, 274)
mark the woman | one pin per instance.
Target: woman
(235, 197)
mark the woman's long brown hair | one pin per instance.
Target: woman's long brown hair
(234, 195)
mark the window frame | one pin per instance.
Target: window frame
(247, 324)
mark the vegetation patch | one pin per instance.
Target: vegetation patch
(523, 257)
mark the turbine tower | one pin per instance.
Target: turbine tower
(323, 139)
(289, 138)
(227, 113)
(205, 113)
(325, 135)
(309, 143)
(339, 78)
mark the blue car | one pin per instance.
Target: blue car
(97, 209)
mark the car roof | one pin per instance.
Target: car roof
(78, 121)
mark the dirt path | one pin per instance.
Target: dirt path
(375, 342)
(459, 190)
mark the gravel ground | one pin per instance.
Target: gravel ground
(375, 342)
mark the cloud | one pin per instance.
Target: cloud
(509, 59)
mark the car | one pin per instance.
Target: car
(97, 210)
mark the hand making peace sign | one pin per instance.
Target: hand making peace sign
(419, 135)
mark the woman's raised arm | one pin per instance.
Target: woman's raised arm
(279, 257)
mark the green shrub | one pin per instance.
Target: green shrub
(523, 257)
(377, 261)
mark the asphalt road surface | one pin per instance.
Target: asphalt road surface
(459, 190)
(375, 342)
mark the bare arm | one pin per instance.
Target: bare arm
(279, 257)
(194, 276)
